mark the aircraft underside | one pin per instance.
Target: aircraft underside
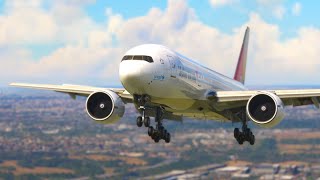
(147, 108)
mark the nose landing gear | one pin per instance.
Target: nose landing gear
(143, 119)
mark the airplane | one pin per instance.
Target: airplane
(164, 84)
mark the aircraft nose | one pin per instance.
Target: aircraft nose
(129, 73)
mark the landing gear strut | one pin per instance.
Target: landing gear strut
(142, 100)
(143, 119)
(157, 133)
(245, 135)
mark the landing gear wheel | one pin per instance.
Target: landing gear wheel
(152, 136)
(146, 121)
(156, 139)
(236, 133)
(159, 127)
(239, 136)
(168, 138)
(240, 141)
(165, 132)
(252, 139)
(158, 132)
(139, 121)
(246, 133)
(150, 131)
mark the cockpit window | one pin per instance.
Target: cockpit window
(138, 57)
(147, 58)
(127, 58)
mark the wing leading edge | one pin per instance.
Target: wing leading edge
(295, 97)
(74, 90)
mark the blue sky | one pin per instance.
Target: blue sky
(226, 18)
(82, 41)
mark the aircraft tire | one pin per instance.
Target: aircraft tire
(240, 138)
(146, 121)
(236, 133)
(168, 138)
(139, 121)
(150, 131)
(252, 139)
(156, 139)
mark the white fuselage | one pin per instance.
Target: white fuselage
(173, 81)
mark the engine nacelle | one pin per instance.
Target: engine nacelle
(105, 107)
(265, 109)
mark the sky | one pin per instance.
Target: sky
(83, 41)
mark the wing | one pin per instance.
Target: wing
(297, 97)
(75, 90)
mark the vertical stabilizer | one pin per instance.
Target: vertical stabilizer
(240, 73)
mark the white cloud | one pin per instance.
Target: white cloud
(279, 11)
(64, 22)
(217, 3)
(279, 61)
(13, 4)
(70, 64)
(269, 2)
(78, 62)
(26, 23)
(296, 9)
(276, 7)
(89, 53)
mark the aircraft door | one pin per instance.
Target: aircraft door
(198, 77)
(172, 66)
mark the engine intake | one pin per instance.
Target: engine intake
(265, 109)
(105, 107)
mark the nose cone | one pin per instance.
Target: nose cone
(130, 76)
(129, 71)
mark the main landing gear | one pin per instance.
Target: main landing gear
(245, 135)
(157, 133)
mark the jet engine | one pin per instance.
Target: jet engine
(105, 107)
(265, 109)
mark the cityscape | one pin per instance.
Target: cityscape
(49, 136)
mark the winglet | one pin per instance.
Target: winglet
(240, 73)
